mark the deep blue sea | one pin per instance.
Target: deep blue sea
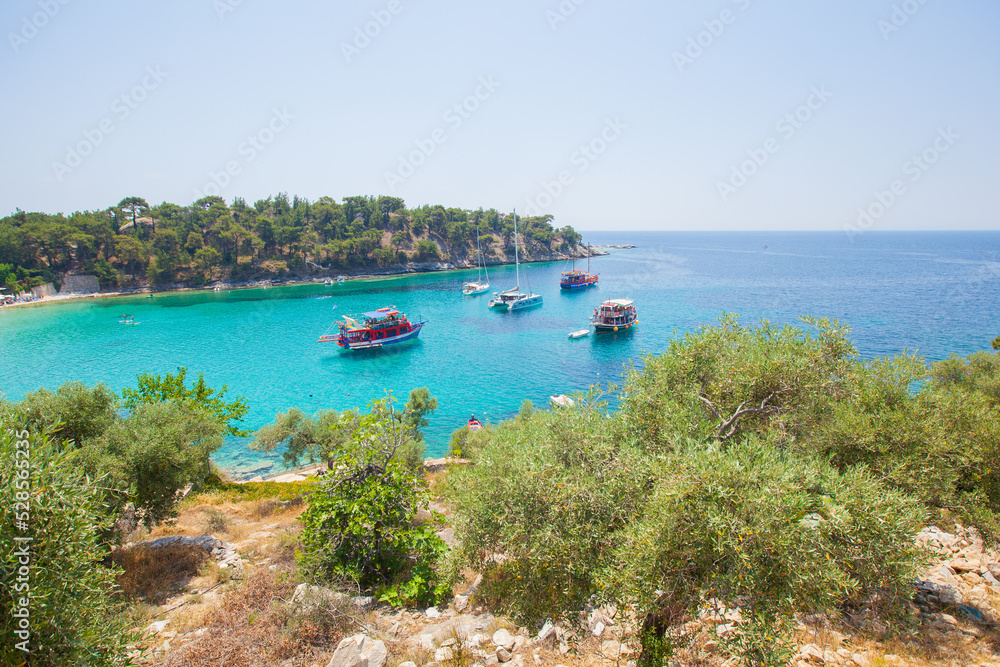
(935, 293)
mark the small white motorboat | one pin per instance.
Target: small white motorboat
(562, 401)
(580, 333)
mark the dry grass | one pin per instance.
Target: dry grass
(252, 627)
(152, 575)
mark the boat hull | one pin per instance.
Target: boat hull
(473, 289)
(371, 344)
(532, 301)
(609, 328)
(590, 282)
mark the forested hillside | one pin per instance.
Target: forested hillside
(134, 244)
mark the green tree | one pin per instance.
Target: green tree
(316, 438)
(73, 618)
(74, 412)
(360, 528)
(156, 451)
(154, 388)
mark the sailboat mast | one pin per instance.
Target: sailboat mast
(479, 259)
(517, 261)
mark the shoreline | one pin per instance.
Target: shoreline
(404, 270)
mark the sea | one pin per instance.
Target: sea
(932, 293)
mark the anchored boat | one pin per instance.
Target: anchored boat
(478, 287)
(377, 328)
(514, 298)
(615, 315)
(575, 278)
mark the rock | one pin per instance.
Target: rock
(860, 661)
(598, 629)
(408, 663)
(503, 654)
(432, 612)
(725, 629)
(831, 658)
(548, 632)
(460, 602)
(812, 653)
(444, 654)
(990, 579)
(963, 565)
(359, 651)
(157, 626)
(949, 619)
(710, 647)
(503, 638)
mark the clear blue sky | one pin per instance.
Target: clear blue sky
(666, 124)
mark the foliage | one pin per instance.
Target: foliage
(134, 241)
(769, 529)
(541, 511)
(360, 524)
(153, 388)
(73, 412)
(73, 619)
(317, 437)
(157, 450)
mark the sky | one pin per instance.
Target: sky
(631, 115)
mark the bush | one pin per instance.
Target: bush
(540, 512)
(360, 524)
(73, 620)
(770, 531)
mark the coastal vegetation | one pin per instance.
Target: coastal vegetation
(768, 470)
(134, 243)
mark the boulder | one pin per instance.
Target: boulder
(359, 651)
(504, 639)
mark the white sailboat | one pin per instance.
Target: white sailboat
(514, 298)
(478, 287)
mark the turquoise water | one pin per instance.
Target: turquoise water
(931, 292)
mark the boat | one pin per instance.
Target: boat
(373, 329)
(478, 287)
(580, 333)
(328, 281)
(474, 424)
(615, 315)
(575, 278)
(562, 401)
(513, 298)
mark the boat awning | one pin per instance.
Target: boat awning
(381, 312)
(618, 302)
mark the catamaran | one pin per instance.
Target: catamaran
(373, 329)
(478, 287)
(575, 278)
(615, 315)
(513, 298)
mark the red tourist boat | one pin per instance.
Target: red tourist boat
(373, 329)
(575, 278)
(474, 424)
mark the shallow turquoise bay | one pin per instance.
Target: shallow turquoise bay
(931, 292)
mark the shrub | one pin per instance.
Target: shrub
(359, 526)
(73, 620)
(152, 575)
(540, 511)
(769, 530)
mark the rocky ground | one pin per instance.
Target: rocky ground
(956, 604)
